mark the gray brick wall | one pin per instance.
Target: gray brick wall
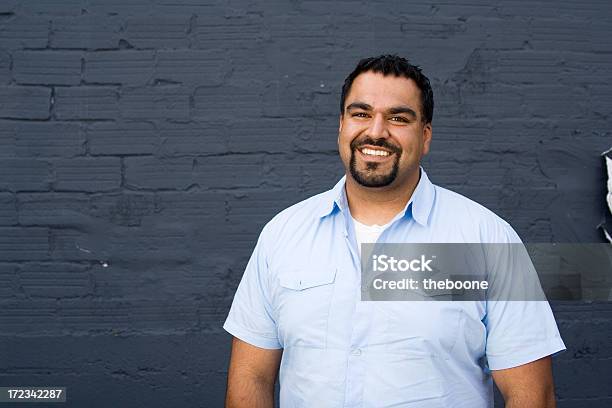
(144, 143)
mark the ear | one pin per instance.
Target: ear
(427, 131)
(339, 129)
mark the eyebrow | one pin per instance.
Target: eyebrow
(394, 110)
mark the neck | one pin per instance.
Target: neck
(378, 205)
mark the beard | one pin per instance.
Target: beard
(371, 176)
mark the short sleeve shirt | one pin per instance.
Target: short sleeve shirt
(301, 292)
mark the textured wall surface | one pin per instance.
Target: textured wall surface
(144, 143)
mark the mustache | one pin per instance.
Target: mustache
(356, 144)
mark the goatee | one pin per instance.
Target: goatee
(368, 177)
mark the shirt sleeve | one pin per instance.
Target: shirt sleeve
(519, 330)
(250, 317)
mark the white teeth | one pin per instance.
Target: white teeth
(373, 152)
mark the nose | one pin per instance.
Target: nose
(378, 127)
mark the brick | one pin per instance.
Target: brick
(122, 138)
(197, 67)
(563, 9)
(183, 8)
(586, 68)
(8, 280)
(8, 210)
(55, 280)
(25, 102)
(8, 138)
(25, 175)
(41, 139)
(131, 362)
(52, 209)
(193, 138)
(269, 136)
(285, 98)
(159, 102)
(192, 206)
(311, 135)
(516, 67)
(54, 7)
(214, 103)
(29, 316)
(47, 68)
(143, 285)
(309, 174)
(74, 244)
(154, 173)
(158, 31)
(124, 247)
(49, 139)
(86, 32)
(236, 32)
(259, 207)
(571, 370)
(86, 102)
(126, 209)
(88, 174)
(550, 101)
(125, 67)
(138, 314)
(18, 32)
(600, 100)
(9, 6)
(447, 99)
(479, 100)
(153, 244)
(119, 7)
(559, 34)
(23, 244)
(5, 67)
(493, 32)
(266, 171)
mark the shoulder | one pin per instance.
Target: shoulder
(297, 217)
(463, 214)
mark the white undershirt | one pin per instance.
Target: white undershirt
(367, 233)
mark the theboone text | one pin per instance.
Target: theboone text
(384, 263)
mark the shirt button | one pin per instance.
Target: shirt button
(356, 352)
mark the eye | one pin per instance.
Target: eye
(399, 119)
(360, 115)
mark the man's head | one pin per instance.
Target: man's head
(385, 121)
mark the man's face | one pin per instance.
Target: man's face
(382, 136)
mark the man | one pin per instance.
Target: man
(298, 305)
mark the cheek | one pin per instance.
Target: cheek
(344, 141)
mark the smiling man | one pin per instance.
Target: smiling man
(297, 311)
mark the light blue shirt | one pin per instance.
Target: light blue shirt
(301, 292)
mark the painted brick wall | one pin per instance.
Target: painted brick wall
(144, 143)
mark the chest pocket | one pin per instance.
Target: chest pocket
(420, 328)
(302, 306)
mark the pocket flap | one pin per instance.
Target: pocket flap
(307, 278)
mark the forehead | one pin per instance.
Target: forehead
(383, 92)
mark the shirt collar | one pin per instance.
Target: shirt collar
(419, 206)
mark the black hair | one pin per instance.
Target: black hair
(396, 66)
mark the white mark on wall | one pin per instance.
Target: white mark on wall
(608, 157)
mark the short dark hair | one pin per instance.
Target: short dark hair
(396, 66)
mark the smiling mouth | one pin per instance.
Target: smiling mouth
(367, 151)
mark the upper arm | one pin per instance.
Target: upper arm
(527, 385)
(253, 362)
(251, 316)
(520, 324)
